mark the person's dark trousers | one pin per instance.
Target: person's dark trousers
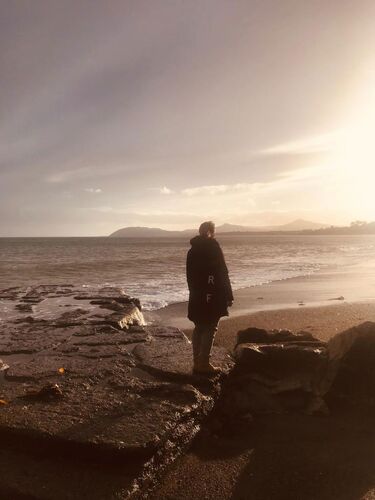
(203, 338)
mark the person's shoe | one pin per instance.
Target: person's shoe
(205, 368)
(212, 369)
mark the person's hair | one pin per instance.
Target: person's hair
(207, 227)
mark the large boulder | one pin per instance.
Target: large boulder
(281, 371)
(254, 335)
(278, 371)
(352, 353)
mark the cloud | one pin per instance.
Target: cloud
(85, 173)
(245, 197)
(162, 190)
(68, 175)
(314, 144)
(93, 190)
(218, 189)
(128, 217)
(103, 209)
(165, 190)
(304, 173)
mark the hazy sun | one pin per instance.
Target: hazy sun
(354, 156)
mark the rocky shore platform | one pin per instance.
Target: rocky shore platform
(94, 403)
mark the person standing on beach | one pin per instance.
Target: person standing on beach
(210, 293)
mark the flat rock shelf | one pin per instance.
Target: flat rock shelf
(94, 403)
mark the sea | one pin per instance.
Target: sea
(153, 269)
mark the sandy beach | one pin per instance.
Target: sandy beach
(324, 303)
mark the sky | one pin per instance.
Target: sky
(165, 113)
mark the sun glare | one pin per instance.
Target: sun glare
(354, 156)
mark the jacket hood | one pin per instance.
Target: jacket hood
(202, 242)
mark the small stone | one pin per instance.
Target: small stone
(317, 406)
(48, 392)
(3, 370)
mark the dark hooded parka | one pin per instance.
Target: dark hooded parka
(208, 281)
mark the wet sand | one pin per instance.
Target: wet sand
(324, 303)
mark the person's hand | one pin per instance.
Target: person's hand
(230, 303)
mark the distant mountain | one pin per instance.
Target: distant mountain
(356, 227)
(300, 225)
(144, 232)
(233, 228)
(296, 225)
(154, 232)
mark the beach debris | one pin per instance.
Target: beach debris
(338, 298)
(301, 303)
(48, 392)
(3, 369)
(317, 406)
(260, 298)
(61, 371)
(3, 402)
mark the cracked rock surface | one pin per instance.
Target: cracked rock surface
(94, 403)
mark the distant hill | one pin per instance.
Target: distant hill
(155, 232)
(301, 225)
(145, 232)
(356, 227)
(296, 225)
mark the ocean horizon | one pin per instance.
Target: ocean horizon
(153, 269)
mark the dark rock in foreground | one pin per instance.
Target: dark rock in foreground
(279, 371)
(353, 354)
(89, 383)
(276, 372)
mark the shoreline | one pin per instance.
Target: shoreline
(324, 303)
